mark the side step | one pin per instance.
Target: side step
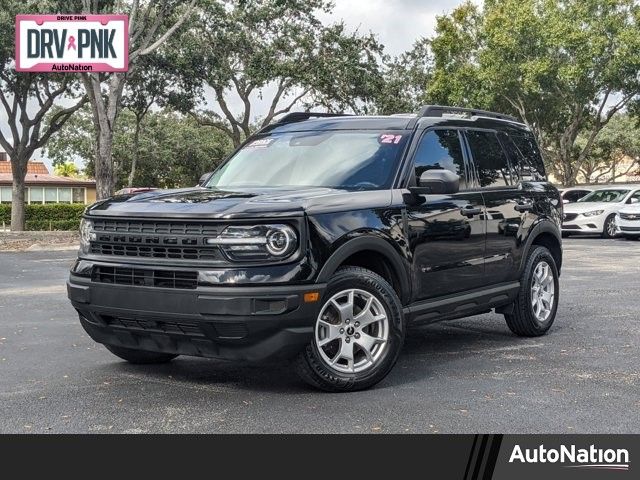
(462, 304)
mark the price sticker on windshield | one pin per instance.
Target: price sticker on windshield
(389, 138)
(261, 143)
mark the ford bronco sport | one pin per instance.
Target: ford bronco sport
(323, 238)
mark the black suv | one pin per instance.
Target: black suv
(323, 238)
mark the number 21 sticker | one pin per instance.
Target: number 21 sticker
(389, 138)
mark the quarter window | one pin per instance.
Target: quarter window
(533, 166)
(440, 150)
(490, 162)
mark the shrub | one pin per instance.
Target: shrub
(55, 216)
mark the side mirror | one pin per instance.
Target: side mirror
(565, 201)
(634, 200)
(437, 182)
(204, 179)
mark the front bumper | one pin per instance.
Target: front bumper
(228, 322)
(582, 224)
(629, 228)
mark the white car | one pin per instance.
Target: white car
(628, 219)
(596, 213)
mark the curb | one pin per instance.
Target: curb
(38, 247)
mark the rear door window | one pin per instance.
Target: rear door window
(491, 166)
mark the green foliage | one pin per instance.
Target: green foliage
(566, 67)
(241, 48)
(66, 169)
(405, 80)
(615, 152)
(174, 151)
(47, 217)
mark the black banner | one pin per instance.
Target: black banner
(455, 457)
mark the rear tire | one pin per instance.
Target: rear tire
(610, 228)
(358, 334)
(535, 308)
(140, 357)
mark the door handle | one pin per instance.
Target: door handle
(523, 207)
(470, 211)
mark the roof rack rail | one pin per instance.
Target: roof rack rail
(300, 116)
(440, 110)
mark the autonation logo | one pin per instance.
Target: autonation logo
(573, 457)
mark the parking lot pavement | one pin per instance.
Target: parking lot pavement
(468, 375)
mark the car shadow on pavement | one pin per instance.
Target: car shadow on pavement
(427, 351)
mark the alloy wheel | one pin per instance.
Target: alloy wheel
(352, 331)
(611, 227)
(542, 291)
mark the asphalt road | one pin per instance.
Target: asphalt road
(463, 376)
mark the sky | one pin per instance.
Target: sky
(396, 23)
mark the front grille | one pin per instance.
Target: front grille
(571, 227)
(146, 325)
(156, 228)
(630, 229)
(143, 277)
(156, 239)
(570, 216)
(630, 216)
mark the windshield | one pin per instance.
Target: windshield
(609, 196)
(357, 160)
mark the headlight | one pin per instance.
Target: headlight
(86, 234)
(594, 213)
(256, 242)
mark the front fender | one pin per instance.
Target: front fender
(370, 241)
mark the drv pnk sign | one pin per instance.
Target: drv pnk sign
(72, 43)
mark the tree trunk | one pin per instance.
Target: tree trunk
(104, 165)
(136, 153)
(18, 166)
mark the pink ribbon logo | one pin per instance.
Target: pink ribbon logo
(72, 43)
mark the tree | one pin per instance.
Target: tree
(615, 152)
(151, 24)
(164, 158)
(406, 78)
(563, 66)
(66, 169)
(157, 80)
(279, 49)
(27, 98)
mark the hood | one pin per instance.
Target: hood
(238, 203)
(633, 208)
(582, 207)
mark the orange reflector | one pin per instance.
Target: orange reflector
(311, 297)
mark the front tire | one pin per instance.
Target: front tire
(535, 308)
(358, 334)
(140, 357)
(610, 229)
